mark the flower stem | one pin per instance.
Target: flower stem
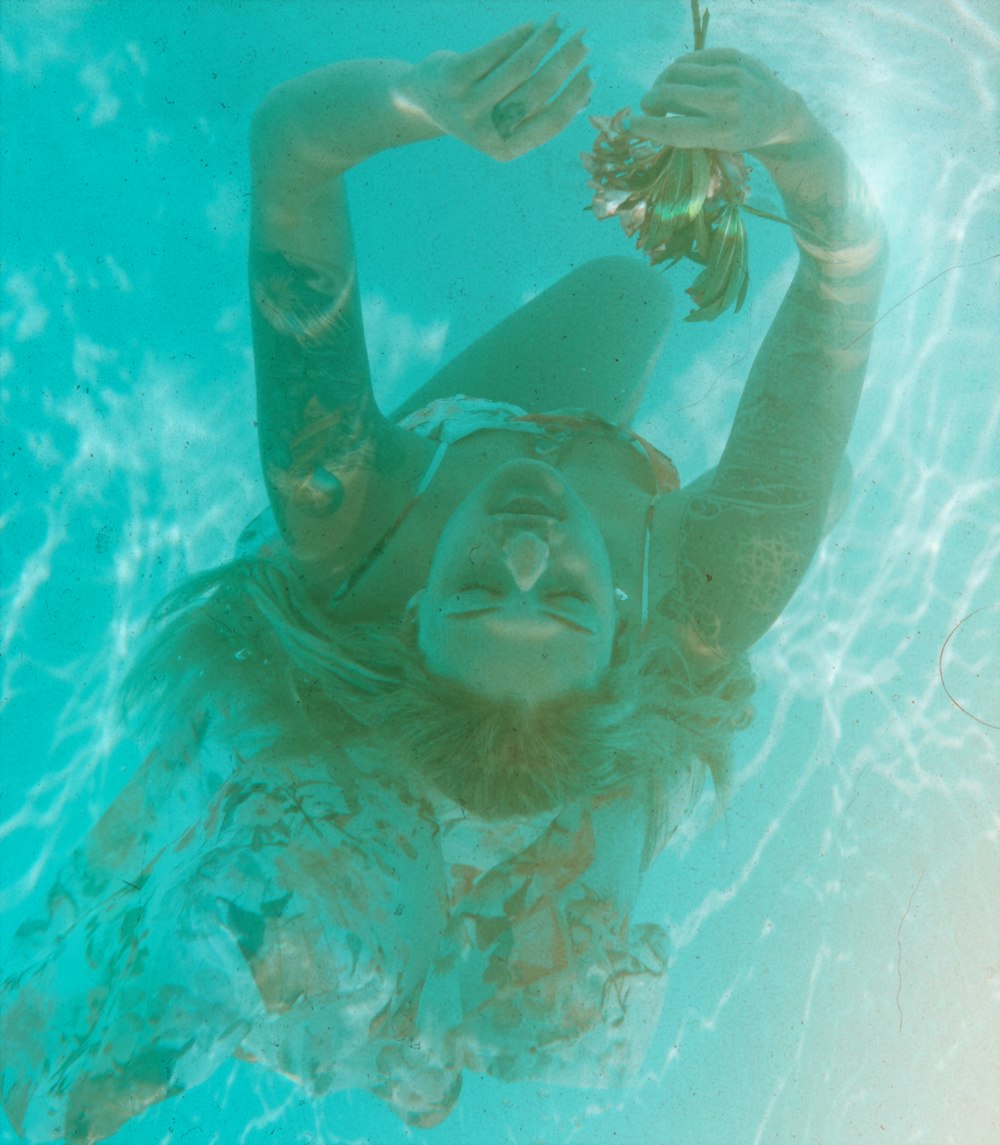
(700, 25)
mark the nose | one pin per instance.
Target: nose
(526, 555)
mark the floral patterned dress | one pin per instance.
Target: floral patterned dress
(336, 926)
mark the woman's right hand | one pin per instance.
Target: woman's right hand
(505, 98)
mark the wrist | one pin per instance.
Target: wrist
(315, 127)
(826, 199)
(805, 142)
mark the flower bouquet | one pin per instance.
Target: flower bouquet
(678, 202)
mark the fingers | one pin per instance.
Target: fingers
(530, 97)
(720, 99)
(689, 69)
(699, 100)
(521, 64)
(549, 78)
(713, 56)
(709, 68)
(690, 87)
(554, 116)
(482, 61)
(683, 99)
(674, 131)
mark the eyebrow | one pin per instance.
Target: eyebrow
(473, 613)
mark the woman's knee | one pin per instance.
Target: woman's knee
(630, 280)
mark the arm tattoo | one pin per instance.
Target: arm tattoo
(317, 420)
(738, 564)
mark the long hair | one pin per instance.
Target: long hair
(247, 644)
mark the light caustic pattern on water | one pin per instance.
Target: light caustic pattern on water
(836, 966)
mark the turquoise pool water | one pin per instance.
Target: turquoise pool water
(836, 960)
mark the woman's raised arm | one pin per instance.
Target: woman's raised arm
(322, 436)
(747, 532)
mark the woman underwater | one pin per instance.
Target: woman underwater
(419, 741)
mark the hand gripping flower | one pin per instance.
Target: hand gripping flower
(679, 202)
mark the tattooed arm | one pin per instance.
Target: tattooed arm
(327, 450)
(322, 437)
(744, 535)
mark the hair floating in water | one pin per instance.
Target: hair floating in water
(678, 202)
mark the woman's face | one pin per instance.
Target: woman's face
(520, 600)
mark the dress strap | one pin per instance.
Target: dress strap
(380, 545)
(429, 473)
(647, 541)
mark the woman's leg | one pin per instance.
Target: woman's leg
(590, 342)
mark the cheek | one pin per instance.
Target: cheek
(600, 563)
(451, 550)
(430, 636)
(460, 558)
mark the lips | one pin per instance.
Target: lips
(528, 507)
(529, 488)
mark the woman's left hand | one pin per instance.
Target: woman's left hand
(721, 99)
(506, 97)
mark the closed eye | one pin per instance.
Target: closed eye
(479, 588)
(482, 598)
(475, 612)
(549, 598)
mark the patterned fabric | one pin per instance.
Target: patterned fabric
(326, 920)
(452, 419)
(325, 926)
